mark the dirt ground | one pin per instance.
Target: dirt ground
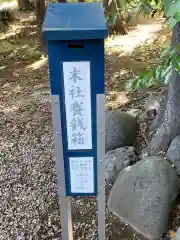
(28, 191)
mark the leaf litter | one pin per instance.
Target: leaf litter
(28, 189)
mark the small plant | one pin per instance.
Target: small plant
(169, 58)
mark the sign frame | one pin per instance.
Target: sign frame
(78, 153)
(74, 93)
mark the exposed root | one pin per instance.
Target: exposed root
(162, 138)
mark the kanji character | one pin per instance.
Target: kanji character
(77, 108)
(77, 138)
(75, 92)
(75, 76)
(77, 122)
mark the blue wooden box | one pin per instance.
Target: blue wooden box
(75, 32)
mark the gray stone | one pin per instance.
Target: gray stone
(143, 194)
(118, 159)
(135, 112)
(147, 116)
(120, 129)
(173, 153)
(177, 235)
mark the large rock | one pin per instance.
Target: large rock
(173, 153)
(177, 236)
(143, 194)
(120, 129)
(118, 159)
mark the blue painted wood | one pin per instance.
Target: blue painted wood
(85, 50)
(72, 21)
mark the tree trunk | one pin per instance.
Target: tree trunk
(170, 123)
(40, 11)
(23, 5)
(62, 1)
(112, 7)
(159, 115)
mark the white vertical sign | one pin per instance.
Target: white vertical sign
(82, 174)
(77, 90)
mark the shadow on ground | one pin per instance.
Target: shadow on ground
(21, 59)
(124, 61)
(23, 67)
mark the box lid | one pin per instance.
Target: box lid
(74, 21)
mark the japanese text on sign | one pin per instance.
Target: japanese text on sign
(78, 104)
(82, 175)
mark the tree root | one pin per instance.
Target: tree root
(159, 142)
(162, 138)
(160, 114)
(169, 124)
